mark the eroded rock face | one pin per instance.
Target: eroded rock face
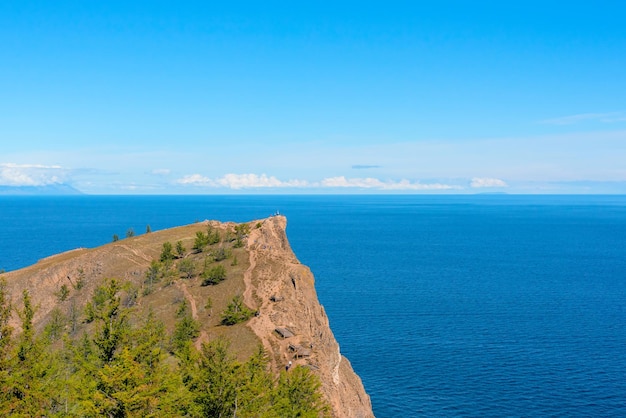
(292, 324)
(276, 283)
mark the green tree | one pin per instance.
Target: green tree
(236, 312)
(62, 293)
(26, 340)
(56, 325)
(185, 330)
(148, 229)
(163, 392)
(241, 232)
(80, 282)
(73, 316)
(221, 254)
(214, 275)
(130, 232)
(6, 330)
(110, 319)
(213, 235)
(216, 380)
(187, 267)
(29, 389)
(167, 254)
(116, 238)
(255, 387)
(180, 249)
(153, 274)
(201, 241)
(297, 394)
(138, 382)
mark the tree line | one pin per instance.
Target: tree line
(126, 364)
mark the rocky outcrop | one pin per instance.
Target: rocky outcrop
(291, 324)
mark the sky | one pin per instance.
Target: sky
(198, 97)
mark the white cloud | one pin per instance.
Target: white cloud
(480, 182)
(31, 174)
(196, 180)
(245, 181)
(341, 181)
(374, 183)
(240, 181)
(250, 180)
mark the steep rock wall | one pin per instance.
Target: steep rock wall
(283, 291)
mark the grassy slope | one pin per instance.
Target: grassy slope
(128, 260)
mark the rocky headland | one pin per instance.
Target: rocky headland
(289, 321)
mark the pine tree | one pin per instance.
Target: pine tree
(185, 330)
(216, 383)
(180, 249)
(105, 309)
(297, 395)
(236, 312)
(5, 329)
(167, 254)
(255, 390)
(30, 387)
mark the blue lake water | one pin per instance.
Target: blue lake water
(445, 305)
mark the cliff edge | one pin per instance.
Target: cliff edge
(292, 324)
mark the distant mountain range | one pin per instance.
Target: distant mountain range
(48, 190)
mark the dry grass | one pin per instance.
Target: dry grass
(128, 260)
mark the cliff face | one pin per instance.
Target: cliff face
(291, 324)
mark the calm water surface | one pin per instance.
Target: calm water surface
(445, 305)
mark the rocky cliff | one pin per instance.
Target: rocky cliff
(290, 323)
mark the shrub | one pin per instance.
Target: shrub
(186, 328)
(187, 268)
(62, 293)
(221, 254)
(241, 231)
(213, 235)
(236, 312)
(153, 274)
(214, 275)
(180, 249)
(167, 254)
(201, 241)
(80, 282)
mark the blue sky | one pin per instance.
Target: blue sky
(151, 97)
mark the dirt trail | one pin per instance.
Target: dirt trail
(136, 252)
(204, 337)
(261, 324)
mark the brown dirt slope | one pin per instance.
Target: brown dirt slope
(266, 273)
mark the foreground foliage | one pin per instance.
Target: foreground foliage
(128, 366)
